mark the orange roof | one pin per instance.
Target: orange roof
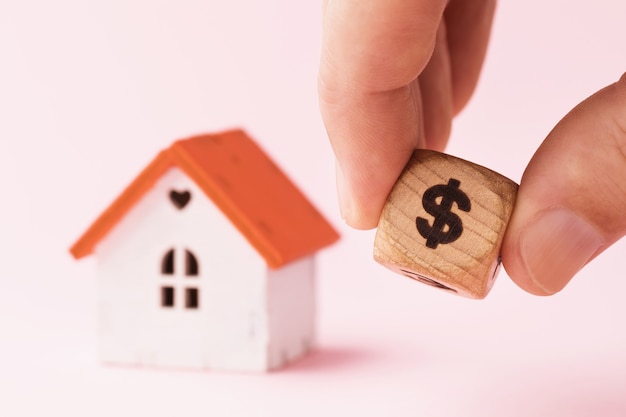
(235, 173)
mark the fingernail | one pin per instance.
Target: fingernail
(556, 246)
(345, 202)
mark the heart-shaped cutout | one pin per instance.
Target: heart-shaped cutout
(180, 198)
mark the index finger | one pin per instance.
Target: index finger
(373, 51)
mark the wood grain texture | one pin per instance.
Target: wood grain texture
(465, 209)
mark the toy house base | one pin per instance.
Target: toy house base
(207, 261)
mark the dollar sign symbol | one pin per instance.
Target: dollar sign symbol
(447, 226)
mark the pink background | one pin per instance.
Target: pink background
(91, 90)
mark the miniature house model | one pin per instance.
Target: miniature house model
(207, 261)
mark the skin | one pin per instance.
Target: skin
(393, 74)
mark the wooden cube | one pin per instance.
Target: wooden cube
(443, 223)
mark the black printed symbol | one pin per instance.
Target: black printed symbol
(447, 226)
(180, 199)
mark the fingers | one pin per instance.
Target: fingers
(469, 26)
(373, 51)
(572, 197)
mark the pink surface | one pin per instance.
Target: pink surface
(90, 91)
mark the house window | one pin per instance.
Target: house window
(167, 296)
(167, 265)
(191, 297)
(191, 264)
(169, 270)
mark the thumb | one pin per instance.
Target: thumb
(571, 203)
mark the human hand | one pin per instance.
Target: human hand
(571, 203)
(393, 74)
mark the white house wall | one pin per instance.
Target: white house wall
(227, 331)
(291, 300)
